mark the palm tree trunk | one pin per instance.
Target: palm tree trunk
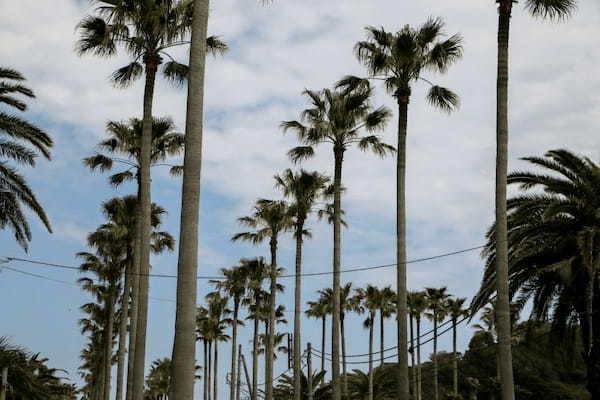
(412, 360)
(216, 372)
(123, 330)
(401, 314)
(209, 382)
(454, 359)
(255, 360)
(337, 260)
(419, 393)
(435, 360)
(266, 358)
(135, 292)
(234, 355)
(371, 326)
(206, 367)
(593, 378)
(151, 63)
(382, 337)
(108, 346)
(343, 334)
(271, 333)
(100, 382)
(503, 301)
(184, 345)
(298, 313)
(323, 336)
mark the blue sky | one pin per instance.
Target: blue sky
(276, 52)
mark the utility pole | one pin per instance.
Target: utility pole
(4, 386)
(289, 352)
(309, 371)
(238, 380)
(250, 388)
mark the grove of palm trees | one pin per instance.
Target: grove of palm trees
(299, 200)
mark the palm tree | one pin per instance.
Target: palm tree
(436, 299)
(256, 270)
(553, 9)
(456, 309)
(145, 30)
(235, 286)
(369, 297)
(14, 190)
(285, 388)
(184, 346)
(552, 242)
(418, 305)
(338, 117)
(400, 59)
(218, 321)
(270, 219)
(320, 309)
(158, 382)
(385, 306)
(202, 333)
(125, 140)
(304, 188)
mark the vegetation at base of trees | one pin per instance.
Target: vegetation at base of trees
(30, 377)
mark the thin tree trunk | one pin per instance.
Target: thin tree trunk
(238, 379)
(4, 383)
(108, 349)
(298, 313)
(419, 393)
(593, 378)
(382, 337)
(343, 335)
(371, 326)
(435, 360)
(184, 345)
(454, 359)
(234, 356)
(266, 359)
(135, 292)
(271, 333)
(337, 260)
(412, 360)
(123, 329)
(100, 387)
(209, 383)
(250, 389)
(216, 372)
(402, 313)
(503, 300)
(255, 360)
(151, 63)
(206, 367)
(323, 336)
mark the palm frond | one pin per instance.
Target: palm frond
(127, 75)
(443, 98)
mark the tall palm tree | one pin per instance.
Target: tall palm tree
(202, 333)
(218, 321)
(553, 9)
(234, 286)
(456, 310)
(436, 299)
(269, 220)
(338, 117)
(386, 308)
(418, 305)
(553, 242)
(146, 31)
(125, 139)
(400, 60)
(304, 189)
(256, 271)
(348, 303)
(16, 135)
(320, 309)
(369, 297)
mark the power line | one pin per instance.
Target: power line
(309, 274)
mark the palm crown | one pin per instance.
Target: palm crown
(15, 135)
(400, 59)
(338, 117)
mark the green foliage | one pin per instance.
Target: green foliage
(29, 376)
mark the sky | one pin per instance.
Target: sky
(275, 52)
